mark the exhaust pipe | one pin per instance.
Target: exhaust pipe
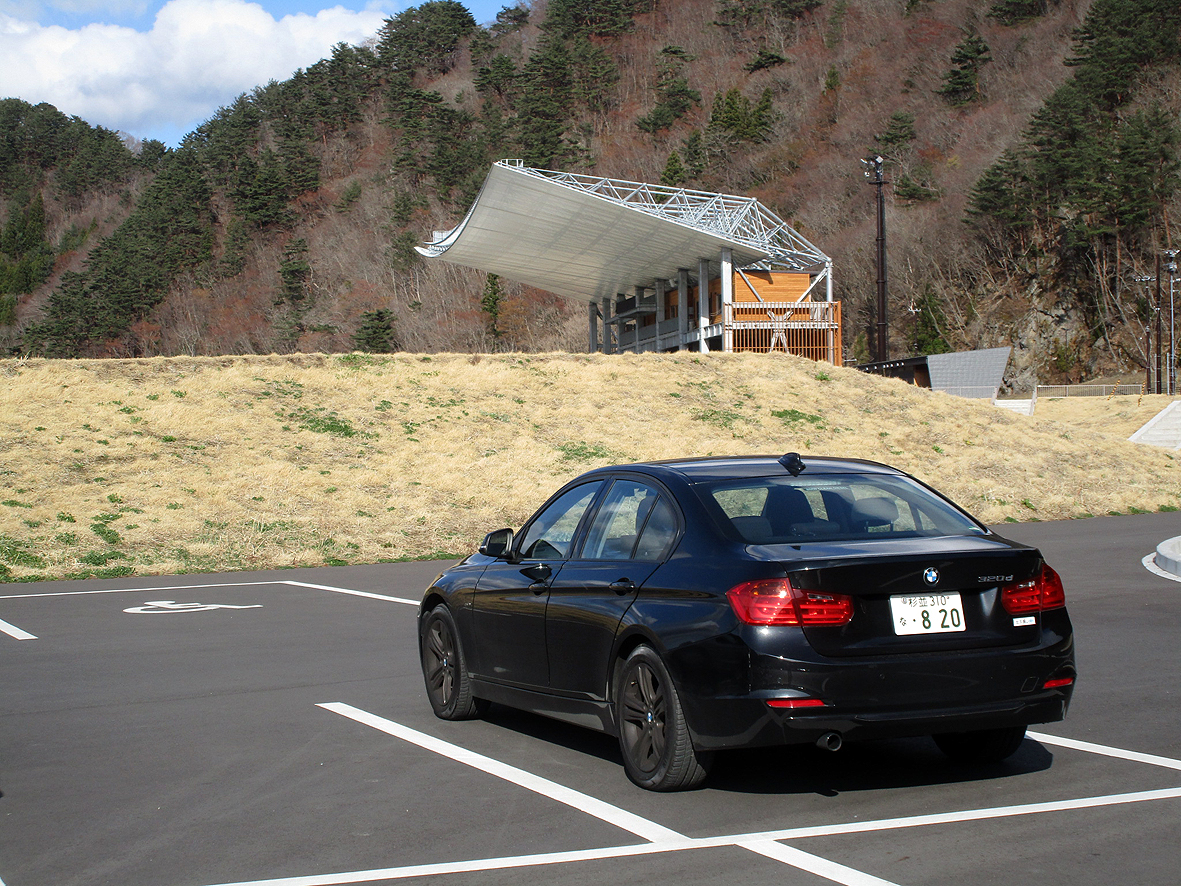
(830, 741)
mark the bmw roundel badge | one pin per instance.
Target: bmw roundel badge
(931, 576)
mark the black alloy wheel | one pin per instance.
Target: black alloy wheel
(658, 752)
(982, 746)
(448, 685)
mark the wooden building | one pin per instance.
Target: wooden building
(662, 268)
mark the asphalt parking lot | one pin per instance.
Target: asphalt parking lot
(272, 728)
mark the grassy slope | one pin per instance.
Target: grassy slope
(200, 464)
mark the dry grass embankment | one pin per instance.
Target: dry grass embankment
(159, 466)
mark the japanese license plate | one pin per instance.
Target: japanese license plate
(927, 613)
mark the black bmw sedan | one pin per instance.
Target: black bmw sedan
(693, 606)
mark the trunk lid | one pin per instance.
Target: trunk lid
(918, 594)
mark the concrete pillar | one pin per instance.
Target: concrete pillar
(607, 346)
(639, 293)
(703, 303)
(661, 285)
(592, 320)
(682, 307)
(727, 299)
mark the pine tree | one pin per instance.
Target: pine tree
(26, 258)
(294, 272)
(927, 336)
(693, 151)
(490, 303)
(375, 335)
(425, 38)
(961, 85)
(900, 131)
(498, 77)
(674, 173)
(594, 75)
(1014, 12)
(544, 104)
(575, 19)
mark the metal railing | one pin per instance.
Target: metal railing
(1087, 390)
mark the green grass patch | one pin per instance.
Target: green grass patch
(106, 533)
(361, 361)
(16, 553)
(583, 451)
(792, 417)
(320, 420)
(722, 418)
(101, 558)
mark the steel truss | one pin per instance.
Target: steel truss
(742, 219)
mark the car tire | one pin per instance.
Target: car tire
(444, 668)
(658, 752)
(982, 746)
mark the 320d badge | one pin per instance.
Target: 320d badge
(692, 606)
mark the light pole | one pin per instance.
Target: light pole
(873, 172)
(1159, 380)
(1171, 267)
(1147, 278)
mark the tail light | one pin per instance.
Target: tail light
(792, 704)
(774, 601)
(1044, 591)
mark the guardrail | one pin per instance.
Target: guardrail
(1087, 390)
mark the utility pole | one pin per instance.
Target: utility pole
(1158, 327)
(873, 172)
(1145, 278)
(1171, 267)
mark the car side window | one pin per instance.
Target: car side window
(658, 532)
(633, 522)
(551, 533)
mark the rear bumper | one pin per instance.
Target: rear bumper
(880, 698)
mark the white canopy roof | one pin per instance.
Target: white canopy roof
(589, 237)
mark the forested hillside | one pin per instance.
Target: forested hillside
(1032, 149)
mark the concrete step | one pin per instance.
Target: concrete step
(1025, 407)
(1163, 429)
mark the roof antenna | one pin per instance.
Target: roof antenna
(793, 463)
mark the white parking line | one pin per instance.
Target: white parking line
(227, 584)
(916, 821)
(641, 827)
(821, 867)
(766, 843)
(16, 633)
(370, 595)
(663, 839)
(460, 867)
(1104, 750)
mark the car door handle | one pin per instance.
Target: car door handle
(538, 573)
(539, 587)
(623, 586)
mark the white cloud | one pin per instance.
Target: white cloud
(198, 56)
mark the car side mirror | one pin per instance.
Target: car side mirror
(497, 544)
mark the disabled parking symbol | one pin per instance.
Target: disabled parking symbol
(157, 607)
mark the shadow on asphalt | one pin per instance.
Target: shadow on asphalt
(801, 769)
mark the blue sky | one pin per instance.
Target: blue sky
(159, 68)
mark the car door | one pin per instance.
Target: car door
(630, 534)
(509, 602)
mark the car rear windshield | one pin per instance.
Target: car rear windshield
(833, 507)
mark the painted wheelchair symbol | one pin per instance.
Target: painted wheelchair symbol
(156, 607)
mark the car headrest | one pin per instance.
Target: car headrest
(874, 511)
